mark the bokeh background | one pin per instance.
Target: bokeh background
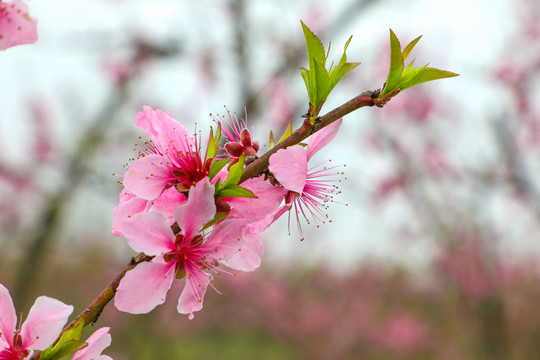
(432, 252)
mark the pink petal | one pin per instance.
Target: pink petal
(128, 205)
(16, 26)
(247, 258)
(8, 318)
(322, 137)
(97, 342)
(167, 203)
(144, 287)
(149, 233)
(198, 210)
(44, 323)
(264, 223)
(289, 166)
(148, 176)
(191, 298)
(269, 197)
(3, 344)
(226, 238)
(165, 132)
(239, 248)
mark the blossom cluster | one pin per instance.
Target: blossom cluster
(41, 328)
(185, 206)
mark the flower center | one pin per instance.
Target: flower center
(16, 351)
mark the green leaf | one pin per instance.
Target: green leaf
(67, 344)
(322, 82)
(305, 75)
(425, 75)
(315, 48)
(218, 217)
(344, 56)
(235, 172)
(271, 142)
(213, 142)
(236, 191)
(217, 166)
(65, 351)
(409, 47)
(339, 72)
(409, 74)
(287, 132)
(396, 65)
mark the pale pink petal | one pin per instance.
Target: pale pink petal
(148, 176)
(322, 137)
(247, 256)
(16, 26)
(165, 132)
(8, 318)
(3, 344)
(149, 233)
(236, 245)
(97, 342)
(191, 298)
(226, 238)
(144, 287)
(199, 209)
(128, 205)
(44, 323)
(264, 223)
(167, 203)
(269, 197)
(289, 166)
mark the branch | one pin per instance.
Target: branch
(368, 98)
(93, 311)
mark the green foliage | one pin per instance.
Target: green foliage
(400, 78)
(235, 171)
(271, 141)
(233, 190)
(230, 187)
(318, 79)
(67, 344)
(213, 142)
(216, 167)
(287, 132)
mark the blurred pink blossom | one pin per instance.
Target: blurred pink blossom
(402, 333)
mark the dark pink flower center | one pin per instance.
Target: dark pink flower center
(15, 352)
(188, 252)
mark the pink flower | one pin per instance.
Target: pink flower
(172, 157)
(97, 342)
(309, 188)
(42, 326)
(185, 254)
(16, 26)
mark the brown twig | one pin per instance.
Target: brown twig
(93, 311)
(368, 98)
